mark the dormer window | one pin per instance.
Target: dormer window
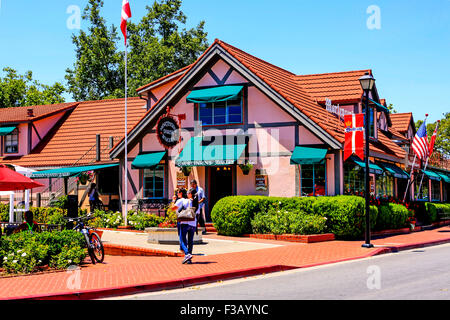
(12, 142)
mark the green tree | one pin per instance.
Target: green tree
(97, 72)
(442, 143)
(158, 45)
(391, 108)
(18, 90)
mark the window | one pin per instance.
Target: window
(435, 190)
(12, 142)
(108, 180)
(313, 180)
(371, 121)
(384, 185)
(154, 183)
(353, 179)
(445, 191)
(218, 113)
(424, 195)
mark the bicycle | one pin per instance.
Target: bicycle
(93, 242)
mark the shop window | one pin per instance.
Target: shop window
(384, 185)
(424, 192)
(445, 191)
(313, 180)
(220, 113)
(435, 190)
(154, 183)
(12, 142)
(353, 179)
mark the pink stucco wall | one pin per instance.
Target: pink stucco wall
(43, 127)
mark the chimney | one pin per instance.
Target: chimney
(30, 112)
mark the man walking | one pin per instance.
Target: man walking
(201, 204)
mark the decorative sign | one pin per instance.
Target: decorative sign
(336, 109)
(261, 182)
(182, 180)
(168, 132)
(354, 136)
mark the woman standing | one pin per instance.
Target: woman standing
(187, 228)
(93, 197)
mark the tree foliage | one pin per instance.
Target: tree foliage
(442, 143)
(158, 45)
(17, 90)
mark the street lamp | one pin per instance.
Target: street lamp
(367, 82)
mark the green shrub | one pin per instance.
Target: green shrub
(345, 215)
(443, 210)
(4, 212)
(106, 219)
(431, 211)
(392, 216)
(24, 252)
(141, 220)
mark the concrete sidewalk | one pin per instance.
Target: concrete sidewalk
(126, 275)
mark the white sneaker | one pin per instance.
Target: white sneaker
(187, 258)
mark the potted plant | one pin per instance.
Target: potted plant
(84, 177)
(246, 168)
(186, 171)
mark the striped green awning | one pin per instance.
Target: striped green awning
(4, 131)
(196, 153)
(373, 168)
(215, 94)
(148, 161)
(69, 171)
(432, 175)
(305, 155)
(394, 170)
(380, 107)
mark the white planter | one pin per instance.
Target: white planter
(169, 236)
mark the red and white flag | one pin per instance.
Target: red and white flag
(354, 135)
(433, 140)
(126, 14)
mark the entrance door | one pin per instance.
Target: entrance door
(401, 188)
(220, 186)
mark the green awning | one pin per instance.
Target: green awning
(444, 176)
(394, 170)
(379, 107)
(4, 131)
(373, 168)
(198, 154)
(432, 175)
(305, 155)
(215, 94)
(146, 161)
(69, 171)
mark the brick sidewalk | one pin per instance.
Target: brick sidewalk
(131, 274)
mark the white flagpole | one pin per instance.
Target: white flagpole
(428, 159)
(126, 140)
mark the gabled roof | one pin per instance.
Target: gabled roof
(386, 146)
(159, 82)
(20, 114)
(401, 121)
(340, 87)
(73, 141)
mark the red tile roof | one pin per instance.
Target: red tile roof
(401, 121)
(340, 87)
(20, 114)
(75, 138)
(161, 81)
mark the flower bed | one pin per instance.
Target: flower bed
(26, 253)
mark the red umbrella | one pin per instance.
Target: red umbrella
(13, 181)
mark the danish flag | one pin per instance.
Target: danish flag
(354, 135)
(126, 14)
(433, 140)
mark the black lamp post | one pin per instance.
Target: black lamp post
(367, 82)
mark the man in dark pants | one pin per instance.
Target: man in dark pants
(201, 204)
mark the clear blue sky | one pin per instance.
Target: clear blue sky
(409, 54)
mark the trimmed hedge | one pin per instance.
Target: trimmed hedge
(443, 210)
(392, 216)
(345, 215)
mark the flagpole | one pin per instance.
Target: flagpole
(126, 138)
(428, 159)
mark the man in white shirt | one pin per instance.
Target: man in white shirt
(201, 204)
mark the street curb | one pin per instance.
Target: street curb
(158, 286)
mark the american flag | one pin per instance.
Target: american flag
(126, 14)
(420, 143)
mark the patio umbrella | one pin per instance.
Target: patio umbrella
(13, 181)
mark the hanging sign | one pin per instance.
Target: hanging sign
(261, 182)
(354, 136)
(168, 132)
(182, 180)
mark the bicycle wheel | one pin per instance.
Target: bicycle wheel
(97, 247)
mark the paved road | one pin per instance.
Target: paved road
(416, 274)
